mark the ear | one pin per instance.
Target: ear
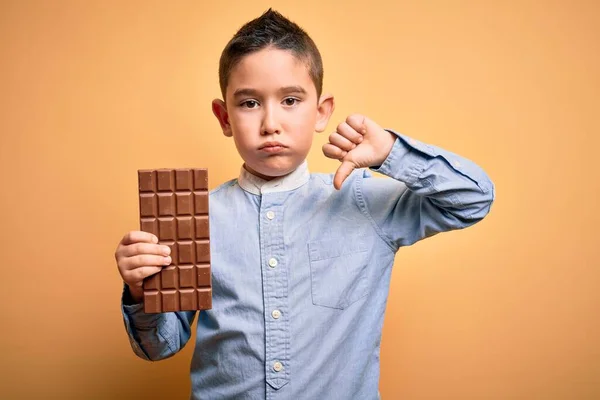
(325, 108)
(220, 111)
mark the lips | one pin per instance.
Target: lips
(272, 147)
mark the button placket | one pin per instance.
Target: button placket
(275, 291)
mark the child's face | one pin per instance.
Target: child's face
(272, 111)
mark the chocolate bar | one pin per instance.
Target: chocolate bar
(173, 206)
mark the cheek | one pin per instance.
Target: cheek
(237, 121)
(306, 120)
(304, 131)
(242, 125)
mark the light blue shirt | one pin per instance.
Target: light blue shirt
(301, 272)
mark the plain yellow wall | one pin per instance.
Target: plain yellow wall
(90, 91)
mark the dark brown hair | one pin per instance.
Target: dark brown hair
(271, 29)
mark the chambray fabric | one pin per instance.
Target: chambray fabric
(322, 260)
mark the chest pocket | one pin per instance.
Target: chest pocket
(338, 271)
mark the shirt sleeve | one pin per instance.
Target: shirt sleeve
(155, 337)
(432, 191)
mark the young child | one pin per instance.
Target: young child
(301, 262)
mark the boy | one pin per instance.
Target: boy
(301, 262)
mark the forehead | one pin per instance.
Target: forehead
(268, 70)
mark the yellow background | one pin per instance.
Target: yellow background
(90, 91)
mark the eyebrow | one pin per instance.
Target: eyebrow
(284, 90)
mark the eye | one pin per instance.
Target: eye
(291, 101)
(249, 104)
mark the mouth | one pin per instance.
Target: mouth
(272, 147)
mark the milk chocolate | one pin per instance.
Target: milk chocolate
(173, 205)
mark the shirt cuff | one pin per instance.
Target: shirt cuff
(404, 163)
(134, 314)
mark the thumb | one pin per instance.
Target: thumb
(342, 173)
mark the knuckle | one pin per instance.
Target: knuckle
(125, 266)
(131, 262)
(128, 277)
(137, 248)
(336, 151)
(133, 277)
(119, 261)
(149, 249)
(353, 118)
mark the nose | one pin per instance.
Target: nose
(270, 122)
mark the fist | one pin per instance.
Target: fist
(138, 256)
(357, 142)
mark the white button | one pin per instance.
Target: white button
(457, 164)
(277, 366)
(270, 214)
(276, 314)
(273, 262)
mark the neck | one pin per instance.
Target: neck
(256, 183)
(261, 176)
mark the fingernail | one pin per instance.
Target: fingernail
(166, 250)
(154, 239)
(168, 260)
(360, 139)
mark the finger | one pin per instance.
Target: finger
(350, 133)
(138, 236)
(334, 152)
(338, 140)
(342, 173)
(144, 260)
(358, 123)
(136, 277)
(145, 248)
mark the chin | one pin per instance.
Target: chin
(276, 169)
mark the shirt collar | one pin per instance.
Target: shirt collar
(255, 185)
